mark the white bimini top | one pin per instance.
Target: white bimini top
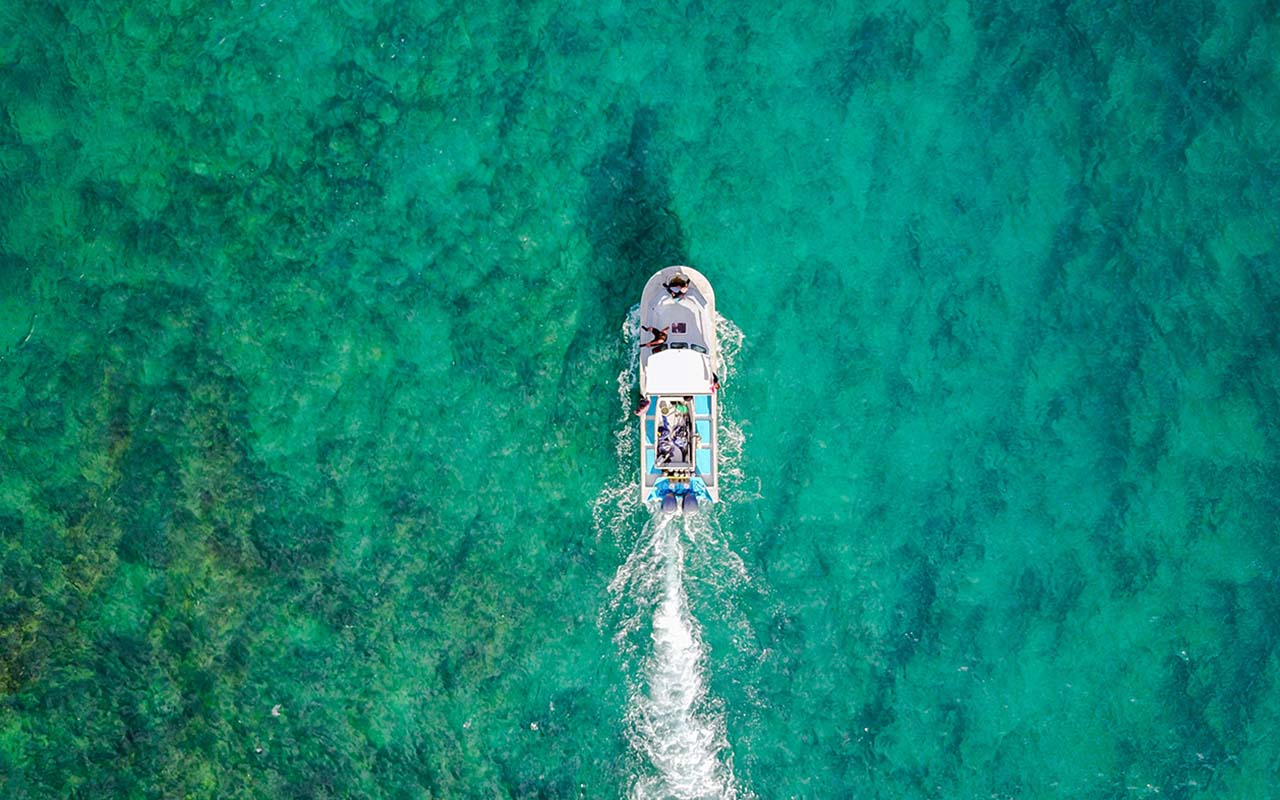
(678, 372)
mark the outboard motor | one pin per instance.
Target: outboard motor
(690, 505)
(668, 503)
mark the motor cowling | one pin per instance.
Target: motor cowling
(690, 504)
(669, 504)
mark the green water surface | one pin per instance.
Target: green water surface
(309, 345)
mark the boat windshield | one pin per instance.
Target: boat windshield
(697, 348)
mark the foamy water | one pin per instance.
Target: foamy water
(672, 724)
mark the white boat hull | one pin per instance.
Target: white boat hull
(679, 430)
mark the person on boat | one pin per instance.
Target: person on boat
(643, 406)
(673, 444)
(662, 448)
(677, 286)
(659, 335)
(715, 383)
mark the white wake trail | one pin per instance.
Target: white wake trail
(671, 723)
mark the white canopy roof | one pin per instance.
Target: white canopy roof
(677, 372)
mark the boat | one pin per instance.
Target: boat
(679, 411)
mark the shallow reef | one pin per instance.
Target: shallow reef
(309, 350)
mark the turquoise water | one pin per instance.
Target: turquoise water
(311, 319)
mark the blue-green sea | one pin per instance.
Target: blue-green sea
(317, 358)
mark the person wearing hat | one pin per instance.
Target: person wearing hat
(677, 286)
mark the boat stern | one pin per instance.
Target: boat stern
(679, 467)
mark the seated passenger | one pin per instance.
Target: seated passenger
(677, 286)
(664, 453)
(681, 438)
(659, 336)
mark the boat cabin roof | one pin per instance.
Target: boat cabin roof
(678, 370)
